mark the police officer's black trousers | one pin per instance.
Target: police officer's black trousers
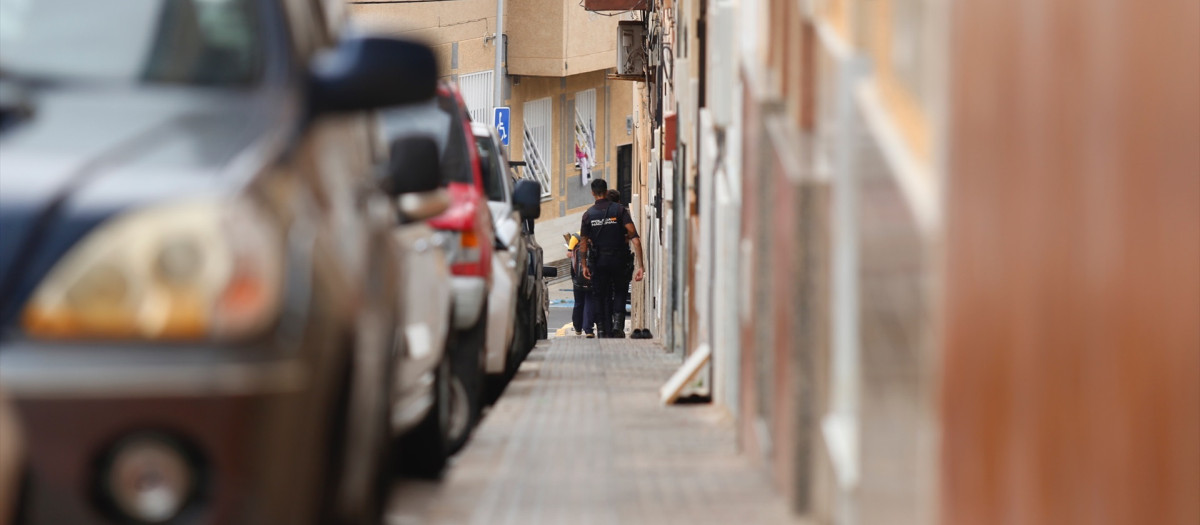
(620, 297)
(605, 273)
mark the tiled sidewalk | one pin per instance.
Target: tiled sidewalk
(579, 437)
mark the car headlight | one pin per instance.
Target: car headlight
(199, 269)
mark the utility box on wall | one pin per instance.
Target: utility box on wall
(631, 48)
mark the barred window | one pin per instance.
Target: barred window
(537, 118)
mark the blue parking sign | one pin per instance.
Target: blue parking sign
(500, 120)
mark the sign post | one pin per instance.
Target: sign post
(500, 119)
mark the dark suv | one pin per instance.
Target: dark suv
(196, 305)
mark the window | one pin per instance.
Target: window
(537, 142)
(477, 91)
(585, 128)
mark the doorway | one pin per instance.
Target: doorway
(625, 172)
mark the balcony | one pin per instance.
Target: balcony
(615, 5)
(552, 38)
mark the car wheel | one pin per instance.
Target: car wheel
(466, 382)
(528, 334)
(423, 451)
(543, 323)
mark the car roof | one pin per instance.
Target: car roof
(482, 130)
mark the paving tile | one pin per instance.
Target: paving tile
(579, 437)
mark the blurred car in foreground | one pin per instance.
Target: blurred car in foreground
(12, 462)
(196, 288)
(468, 233)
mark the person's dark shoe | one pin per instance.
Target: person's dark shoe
(646, 333)
(590, 336)
(618, 335)
(637, 334)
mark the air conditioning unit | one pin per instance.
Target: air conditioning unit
(631, 48)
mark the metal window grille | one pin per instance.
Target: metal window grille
(585, 125)
(536, 116)
(478, 91)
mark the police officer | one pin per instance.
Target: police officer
(621, 285)
(604, 233)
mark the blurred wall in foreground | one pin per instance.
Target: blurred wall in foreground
(1072, 304)
(946, 255)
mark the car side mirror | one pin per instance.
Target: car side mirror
(370, 72)
(527, 198)
(414, 166)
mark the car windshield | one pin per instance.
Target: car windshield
(201, 42)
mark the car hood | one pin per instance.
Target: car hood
(83, 156)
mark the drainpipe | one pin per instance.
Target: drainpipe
(841, 425)
(498, 73)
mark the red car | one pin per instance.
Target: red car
(468, 225)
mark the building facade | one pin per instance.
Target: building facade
(567, 115)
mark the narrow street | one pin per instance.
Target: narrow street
(844, 262)
(580, 437)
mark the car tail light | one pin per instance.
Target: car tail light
(469, 255)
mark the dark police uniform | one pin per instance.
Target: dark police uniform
(621, 293)
(603, 226)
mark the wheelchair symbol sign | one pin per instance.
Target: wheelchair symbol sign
(500, 120)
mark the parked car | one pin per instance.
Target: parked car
(468, 233)
(196, 288)
(536, 286)
(12, 462)
(534, 290)
(421, 402)
(502, 295)
(511, 331)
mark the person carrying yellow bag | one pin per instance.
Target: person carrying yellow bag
(581, 285)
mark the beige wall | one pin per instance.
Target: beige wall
(468, 23)
(591, 40)
(536, 37)
(545, 37)
(556, 38)
(610, 133)
(555, 49)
